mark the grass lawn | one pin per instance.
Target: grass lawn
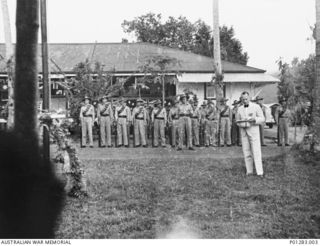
(203, 198)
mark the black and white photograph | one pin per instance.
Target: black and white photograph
(159, 120)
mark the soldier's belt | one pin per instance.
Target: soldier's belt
(211, 119)
(175, 118)
(139, 118)
(194, 117)
(104, 115)
(159, 118)
(87, 116)
(225, 116)
(122, 116)
(283, 117)
(184, 115)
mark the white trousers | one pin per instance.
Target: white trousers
(251, 147)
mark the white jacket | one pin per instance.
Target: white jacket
(253, 111)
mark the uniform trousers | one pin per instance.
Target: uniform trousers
(175, 132)
(105, 129)
(86, 128)
(261, 127)
(283, 130)
(158, 129)
(185, 125)
(122, 131)
(235, 134)
(140, 132)
(225, 130)
(251, 148)
(210, 132)
(195, 131)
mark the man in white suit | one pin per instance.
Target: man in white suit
(249, 117)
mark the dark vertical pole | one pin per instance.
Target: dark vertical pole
(26, 74)
(45, 73)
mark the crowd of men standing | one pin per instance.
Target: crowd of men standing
(182, 123)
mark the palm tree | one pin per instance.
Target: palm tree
(9, 60)
(316, 95)
(217, 52)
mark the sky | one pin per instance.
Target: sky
(267, 29)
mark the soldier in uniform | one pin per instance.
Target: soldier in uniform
(195, 123)
(105, 119)
(185, 111)
(87, 117)
(123, 119)
(202, 111)
(282, 118)
(235, 131)
(211, 123)
(225, 123)
(173, 119)
(139, 115)
(259, 101)
(159, 119)
(248, 117)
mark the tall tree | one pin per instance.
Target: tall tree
(316, 95)
(182, 34)
(217, 52)
(9, 59)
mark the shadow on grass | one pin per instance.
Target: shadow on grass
(152, 198)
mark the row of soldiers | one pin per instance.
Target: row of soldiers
(185, 122)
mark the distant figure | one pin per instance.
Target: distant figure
(139, 118)
(235, 131)
(211, 124)
(173, 120)
(282, 118)
(248, 118)
(123, 119)
(31, 195)
(225, 123)
(87, 118)
(105, 119)
(159, 120)
(185, 111)
(195, 123)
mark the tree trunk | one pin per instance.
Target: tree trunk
(316, 91)
(9, 60)
(26, 73)
(217, 52)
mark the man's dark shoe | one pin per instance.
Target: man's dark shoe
(102, 146)
(91, 146)
(228, 145)
(198, 146)
(137, 146)
(264, 145)
(127, 146)
(173, 146)
(119, 146)
(83, 146)
(287, 144)
(163, 146)
(178, 149)
(222, 145)
(190, 148)
(207, 146)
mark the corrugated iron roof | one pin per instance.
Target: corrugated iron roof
(129, 57)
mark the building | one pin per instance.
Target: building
(191, 73)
